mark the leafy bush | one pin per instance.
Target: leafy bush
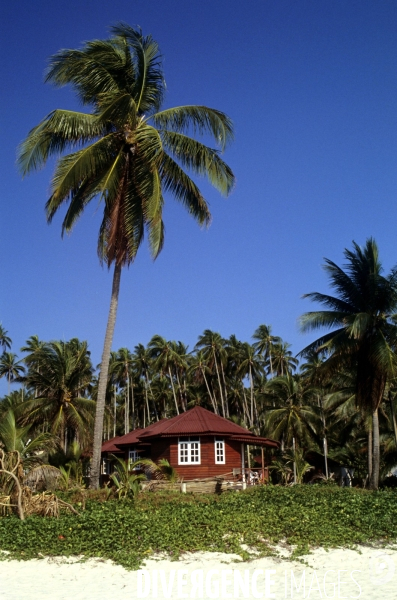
(128, 532)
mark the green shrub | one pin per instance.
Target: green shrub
(128, 532)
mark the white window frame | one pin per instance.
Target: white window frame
(133, 456)
(189, 451)
(105, 466)
(220, 454)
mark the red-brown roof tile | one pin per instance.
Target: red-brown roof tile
(110, 445)
(196, 421)
(131, 438)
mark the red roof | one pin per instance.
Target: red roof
(110, 445)
(130, 438)
(197, 421)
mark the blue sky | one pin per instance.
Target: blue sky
(311, 87)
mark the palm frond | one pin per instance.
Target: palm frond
(118, 109)
(317, 319)
(176, 181)
(200, 159)
(94, 70)
(149, 84)
(200, 119)
(58, 131)
(75, 169)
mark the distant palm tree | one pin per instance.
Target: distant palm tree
(214, 352)
(10, 368)
(121, 367)
(251, 365)
(199, 369)
(265, 342)
(295, 418)
(63, 377)
(163, 355)
(362, 317)
(283, 361)
(5, 341)
(142, 363)
(131, 154)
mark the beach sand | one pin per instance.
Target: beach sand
(366, 573)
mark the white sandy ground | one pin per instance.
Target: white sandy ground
(327, 574)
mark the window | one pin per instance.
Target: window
(189, 451)
(219, 451)
(105, 467)
(133, 456)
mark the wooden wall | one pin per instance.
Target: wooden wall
(168, 448)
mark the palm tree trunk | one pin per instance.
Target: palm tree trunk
(376, 451)
(114, 411)
(127, 406)
(252, 396)
(220, 387)
(147, 397)
(103, 378)
(153, 402)
(370, 454)
(209, 393)
(325, 444)
(246, 412)
(293, 452)
(173, 390)
(271, 365)
(133, 406)
(180, 391)
(224, 383)
(393, 418)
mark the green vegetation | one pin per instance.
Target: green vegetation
(128, 532)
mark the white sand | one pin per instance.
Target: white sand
(375, 575)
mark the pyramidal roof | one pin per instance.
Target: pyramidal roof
(196, 421)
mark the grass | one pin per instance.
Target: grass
(128, 532)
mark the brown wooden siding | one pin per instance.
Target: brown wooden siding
(168, 448)
(207, 468)
(160, 449)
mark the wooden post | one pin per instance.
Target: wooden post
(183, 488)
(263, 464)
(249, 464)
(242, 463)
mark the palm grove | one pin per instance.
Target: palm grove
(130, 152)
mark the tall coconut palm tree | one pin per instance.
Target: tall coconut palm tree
(363, 322)
(131, 153)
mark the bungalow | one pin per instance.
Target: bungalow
(198, 443)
